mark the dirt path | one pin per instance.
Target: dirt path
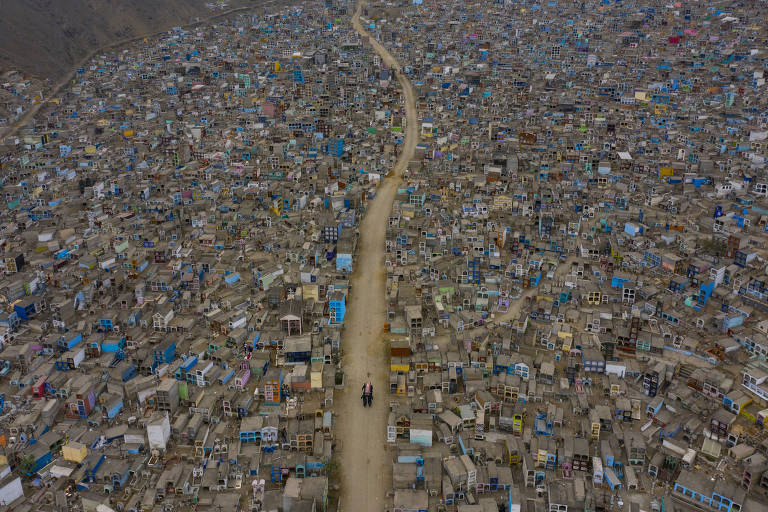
(515, 306)
(365, 463)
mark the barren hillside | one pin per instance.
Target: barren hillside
(46, 38)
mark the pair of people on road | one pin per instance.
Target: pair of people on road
(367, 394)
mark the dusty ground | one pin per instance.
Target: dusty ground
(365, 463)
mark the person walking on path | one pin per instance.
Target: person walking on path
(367, 394)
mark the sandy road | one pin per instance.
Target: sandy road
(365, 463)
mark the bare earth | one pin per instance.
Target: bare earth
(365, 463)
